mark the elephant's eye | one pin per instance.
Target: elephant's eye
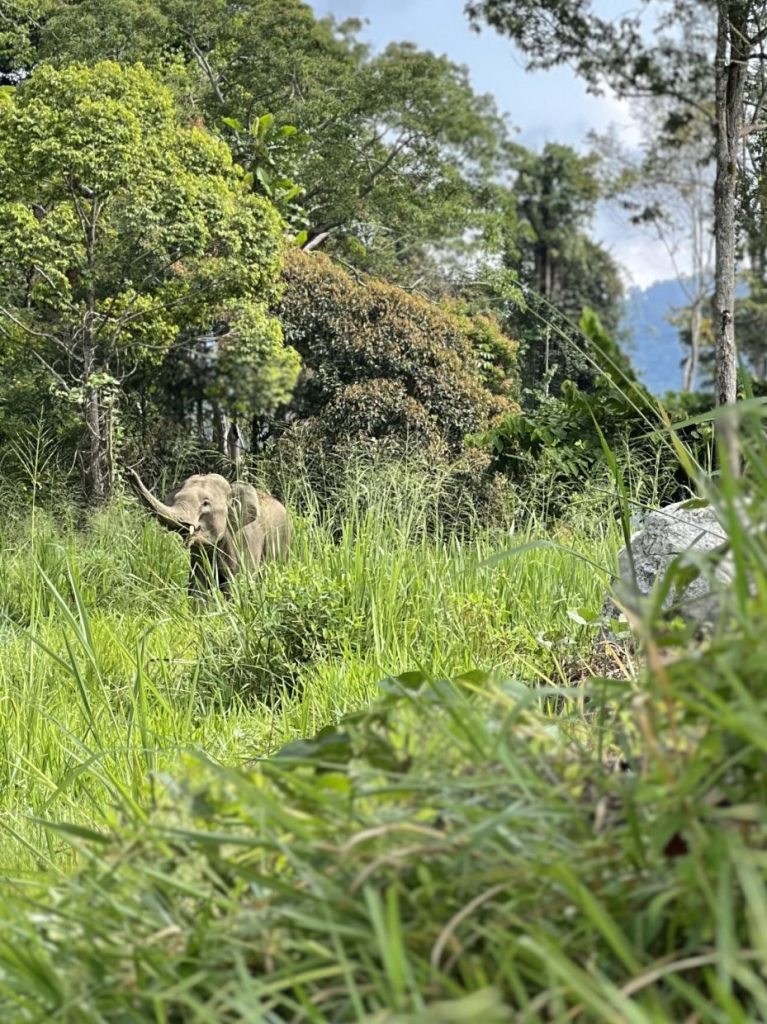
(205, 505)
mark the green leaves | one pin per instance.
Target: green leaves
(270, 154)
(386, 365)
(394, 149)
(131, 232)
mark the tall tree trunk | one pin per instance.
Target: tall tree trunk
(730, 78)
(96, 475)
(220, 428)
(234, 443)
(730, 85)
(255, 432)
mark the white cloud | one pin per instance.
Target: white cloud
(545, 106)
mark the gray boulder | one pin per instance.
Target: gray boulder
(665, 534)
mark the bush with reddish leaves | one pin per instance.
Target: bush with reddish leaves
(380, 363)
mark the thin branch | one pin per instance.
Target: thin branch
(202, 60)
(319, 238)
(50, 369)
(27, 328)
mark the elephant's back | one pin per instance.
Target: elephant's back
(271, 511)
(275, 524)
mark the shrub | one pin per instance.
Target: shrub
(259, 648)
(379, 362)
(561, 442)
(380, 409)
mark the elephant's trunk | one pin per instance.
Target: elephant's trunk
(167, 515)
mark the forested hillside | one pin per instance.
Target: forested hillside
(375, 644)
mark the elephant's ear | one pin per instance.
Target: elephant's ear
(244, 504)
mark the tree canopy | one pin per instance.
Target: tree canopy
(394, 151)
(705, 55)
(123, 231)
(379, 363)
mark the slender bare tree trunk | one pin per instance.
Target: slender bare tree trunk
(234, 443)
(95, 470)
(730, 85)
(691, 366)
(546, 281)
(728, 124)
(97, 419)
(220, 428)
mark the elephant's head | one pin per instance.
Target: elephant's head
(205, 509)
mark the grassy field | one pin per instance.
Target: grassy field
(109, 674)
(388, 781)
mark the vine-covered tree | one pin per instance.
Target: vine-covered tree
(123, 232)
(553, 200)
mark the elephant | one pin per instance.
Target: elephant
(226, 527)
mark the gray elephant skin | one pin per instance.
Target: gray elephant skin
(226, 527)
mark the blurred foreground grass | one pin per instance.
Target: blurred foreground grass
(252, 814)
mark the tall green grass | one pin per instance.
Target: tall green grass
(388, 781)
(109, 675)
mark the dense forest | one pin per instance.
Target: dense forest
(334, 686)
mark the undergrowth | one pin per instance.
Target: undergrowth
(255, 813)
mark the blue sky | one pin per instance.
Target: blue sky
(543, 106)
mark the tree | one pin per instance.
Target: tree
(676, 63)
(667, 189)
(751, 310)
(379, 363)
(556, 194)
(554, 197)
(395, 152)
(124, 232)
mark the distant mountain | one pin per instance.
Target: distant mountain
(653, 345)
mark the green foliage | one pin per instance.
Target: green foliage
(380, 363)
(496, 351)
(394, 151)
(751, 321)
(253, 811)
(281, 629)
(554, 198)
(125, 232)
(271, 154)
(562, 441)
(556, 192)
(751, 310)
(665, 50)
(383, 859)
(253, 370)
(668, 54)
(372, 842)
(18, 36)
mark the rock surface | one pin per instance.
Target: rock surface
(665, 534)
